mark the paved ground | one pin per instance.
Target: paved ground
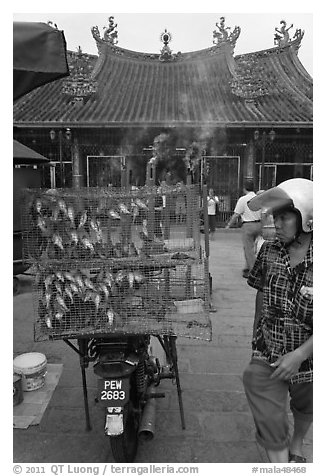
(219, 426)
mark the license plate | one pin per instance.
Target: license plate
(113, 393)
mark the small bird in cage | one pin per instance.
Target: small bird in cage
(104, 290)
(95, 226)
(60, 276)
(57, 305)
(48, 321)
(38, 206)
(110, 316)
(82, 217)
(109, 279)
(87, 244)
(35, 209)
(79, 281)
(55, 213)
(88, 295)
(42, 225)
(58, 317)
(120, 276)
(88, 283)
(114, 215)
(57, 240)
(74, 237)
(61, 302)
(94, 297)
(141, 204)
(105, 319)
(49, 280)
(68, 292)
(63, 207)
(139, 278)
(131, 279)
(47, 298)
(58, 287)
(123, 209)
(74, 288)
(68, 276)
(122, 281)
(71, 215)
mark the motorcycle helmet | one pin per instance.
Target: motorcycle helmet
(294, 194)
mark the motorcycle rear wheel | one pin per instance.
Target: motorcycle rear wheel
(124, 447)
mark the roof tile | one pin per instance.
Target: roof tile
(204, 87)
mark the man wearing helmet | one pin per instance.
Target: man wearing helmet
(282, 345)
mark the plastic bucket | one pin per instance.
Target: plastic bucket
(18, 396)
(32, 368)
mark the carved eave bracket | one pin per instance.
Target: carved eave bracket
(80, 85)
(223, 34)
(282, 36)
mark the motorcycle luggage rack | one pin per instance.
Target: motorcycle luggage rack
(168, 343)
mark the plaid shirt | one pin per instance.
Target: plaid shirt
(286, 318)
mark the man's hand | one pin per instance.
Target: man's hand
(287, 366)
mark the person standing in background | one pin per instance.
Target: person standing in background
(212, 204)
(180, 205)
(251, 225)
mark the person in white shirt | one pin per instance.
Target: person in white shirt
(212, 203)
(180, 204)
(251, 225)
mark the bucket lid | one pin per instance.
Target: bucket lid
(29, 362)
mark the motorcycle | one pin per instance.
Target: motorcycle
(128, 376)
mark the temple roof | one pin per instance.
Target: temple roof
(124, 88)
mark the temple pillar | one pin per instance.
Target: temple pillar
(77, 176)
(249, 171)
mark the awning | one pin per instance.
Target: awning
(39, 56)
(25, 155)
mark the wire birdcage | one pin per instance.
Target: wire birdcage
(92, 224)
(116, 261)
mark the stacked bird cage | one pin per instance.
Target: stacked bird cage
(115, 261)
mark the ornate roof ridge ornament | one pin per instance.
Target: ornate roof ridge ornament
(223, 35)
(80, 85)
(282, 36)
(166, 52)
(110, 39)
(110, 34)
